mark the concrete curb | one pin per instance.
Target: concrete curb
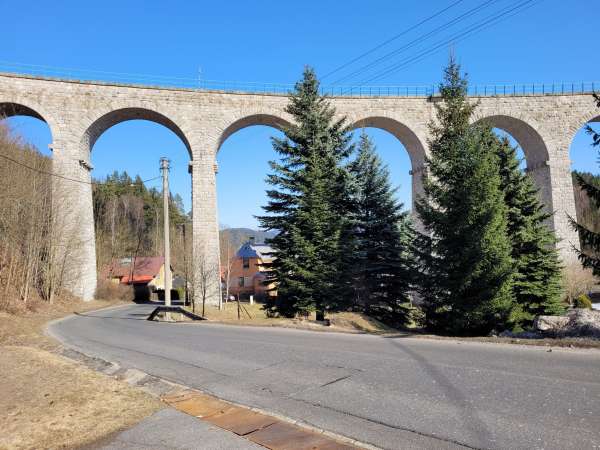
(158, 387)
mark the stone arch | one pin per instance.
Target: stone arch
(82, 205)
(11, 109)
(578, 123)
(116, 116)
(575, 124)
(536, 153)
(269, 120)
(530, 140)
(410, 140)
(209, 235)
(575, 128)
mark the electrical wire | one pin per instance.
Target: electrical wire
(418, 40)
(44, 172)
(489, 21)
(393, 38)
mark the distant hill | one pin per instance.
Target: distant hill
(238, 236)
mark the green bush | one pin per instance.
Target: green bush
(582, 301)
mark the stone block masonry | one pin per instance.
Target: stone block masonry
(77, 113)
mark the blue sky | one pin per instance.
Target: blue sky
(271, 41)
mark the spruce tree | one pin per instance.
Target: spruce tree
(589, 254)
(381, 262)
(537, 283)
(307, 204)
(466, 252)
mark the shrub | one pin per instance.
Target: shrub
(582, 301)
(107, 290)
(577, 281)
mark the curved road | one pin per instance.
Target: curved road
(390, 392)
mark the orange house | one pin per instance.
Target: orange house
(248, 271)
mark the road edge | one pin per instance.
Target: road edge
(159, 387)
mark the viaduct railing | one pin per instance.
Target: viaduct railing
(477, 90)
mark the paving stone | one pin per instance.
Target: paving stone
(201, 406)
(241, 421)
(284, 436)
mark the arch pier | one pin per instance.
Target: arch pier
(79, 112)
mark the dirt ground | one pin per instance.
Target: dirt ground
(254, 315)
(47, 401)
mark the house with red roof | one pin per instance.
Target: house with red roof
(146, 271)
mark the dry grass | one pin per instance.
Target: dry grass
(108, 290)
(349, 322)
(26, 326)
(48, 401)
(577, 281)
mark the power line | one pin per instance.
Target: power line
(416, 41)
(393, 38)
(45, 172)
(489, 21)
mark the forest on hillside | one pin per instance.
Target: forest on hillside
(586, 214)
(129, 220)
(29, 265)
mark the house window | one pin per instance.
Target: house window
(246, 263)
(241, 282)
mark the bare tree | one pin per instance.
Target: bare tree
(34, 243)
(227, 257)
(205, 276)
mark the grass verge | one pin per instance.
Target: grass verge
(254, 315)
(352, 322)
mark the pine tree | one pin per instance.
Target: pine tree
(589, 254)
(537, 283)
(307, 205)
(466, 253)
(381, 262)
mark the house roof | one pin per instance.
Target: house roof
(145, 269)
(262, 251)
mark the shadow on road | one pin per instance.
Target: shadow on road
(472, 422)
(143, 316)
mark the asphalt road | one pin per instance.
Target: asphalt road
(394, 393)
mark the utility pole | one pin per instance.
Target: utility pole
(164, 167)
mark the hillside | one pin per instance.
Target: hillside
(237, 236)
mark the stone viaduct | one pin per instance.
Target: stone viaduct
(78, 112)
